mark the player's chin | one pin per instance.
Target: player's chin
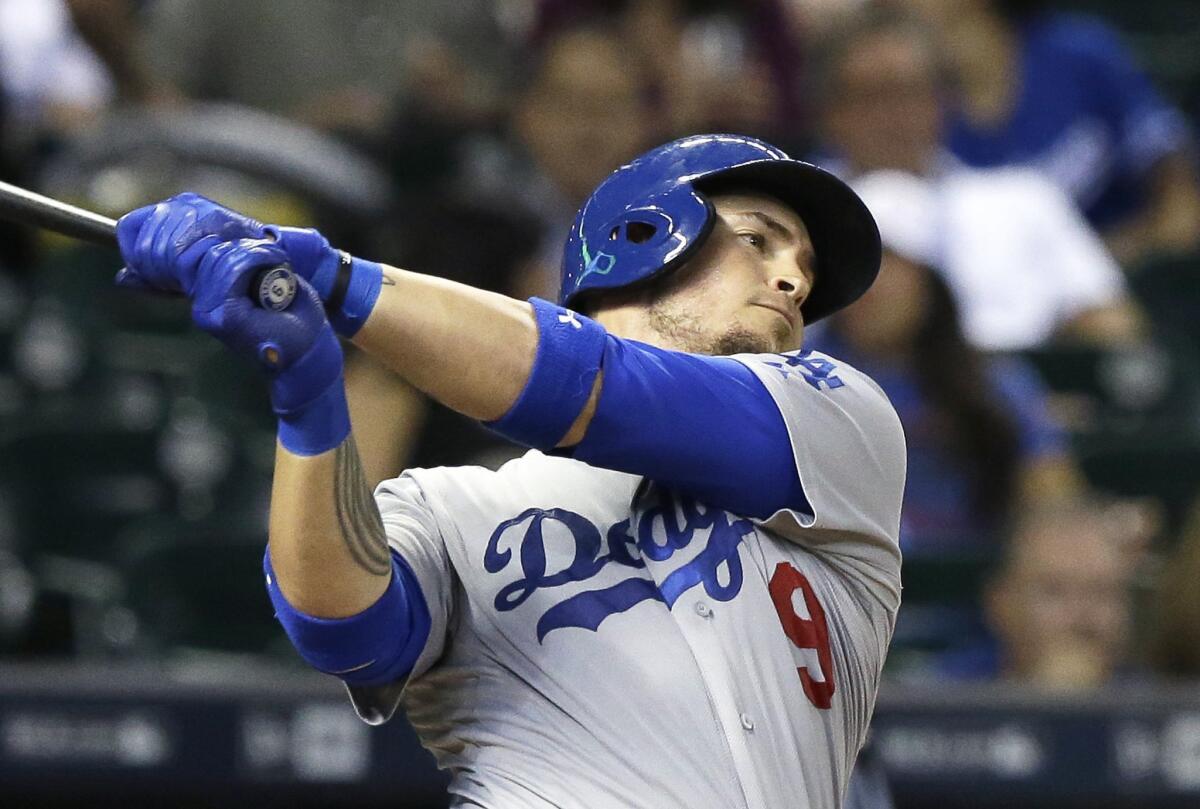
(751, 338)
(784, 335)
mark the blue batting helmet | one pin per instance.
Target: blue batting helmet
(651, 215)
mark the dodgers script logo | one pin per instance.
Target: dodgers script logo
(655, 533)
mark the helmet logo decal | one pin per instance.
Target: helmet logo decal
(600, 264)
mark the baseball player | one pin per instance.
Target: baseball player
(682, 595)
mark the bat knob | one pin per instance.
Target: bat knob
(274, 288)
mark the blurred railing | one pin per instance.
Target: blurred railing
(278, 735)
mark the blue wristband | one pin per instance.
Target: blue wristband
(319, 426)
(568, 358)
(309, 397)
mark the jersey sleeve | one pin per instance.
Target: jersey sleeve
(413, 535)
(849, 451)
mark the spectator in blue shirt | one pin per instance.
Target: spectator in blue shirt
(1062, 93)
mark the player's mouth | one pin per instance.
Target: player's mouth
(787, 313)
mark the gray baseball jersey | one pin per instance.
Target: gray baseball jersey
(600, 641)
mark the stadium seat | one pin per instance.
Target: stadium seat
(941, 611)
(1167, 468)
(200, 589)
(77, 482)
(1148, 390)
(1168, 288)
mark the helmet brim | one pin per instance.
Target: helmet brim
(844, 235)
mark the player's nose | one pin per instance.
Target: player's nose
(793, 284)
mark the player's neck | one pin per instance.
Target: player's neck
(632, 322)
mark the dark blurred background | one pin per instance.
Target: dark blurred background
(1033, 169)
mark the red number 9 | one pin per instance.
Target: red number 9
(809, 633)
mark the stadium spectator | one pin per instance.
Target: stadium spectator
(1024, 265)
(980, 442)
(1059, 603)
(816, 18)
(1024, 268)
(581, 109)
(111, 28)
(711, 65)
(1063, 94)
(53, 80)
(585, 108)
(338, 66)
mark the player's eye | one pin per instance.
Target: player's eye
(755, 240)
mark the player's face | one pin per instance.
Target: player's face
(742, 291)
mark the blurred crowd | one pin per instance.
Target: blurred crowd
(1036, 323)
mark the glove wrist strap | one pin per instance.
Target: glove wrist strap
(355, 289)
(341, 282)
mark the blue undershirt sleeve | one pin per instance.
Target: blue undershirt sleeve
(378, 646)
(702, 426)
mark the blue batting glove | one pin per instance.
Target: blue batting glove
(163, 244)
(297, 346)
(349, 286)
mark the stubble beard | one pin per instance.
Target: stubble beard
(684, 330)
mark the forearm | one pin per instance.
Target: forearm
(1171, 221)
(388, 416)
(471, 350)
(327, 542)
(350, 606)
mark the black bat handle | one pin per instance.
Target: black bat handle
(272, 288)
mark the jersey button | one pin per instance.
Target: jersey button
(747, 722)
(703, 610)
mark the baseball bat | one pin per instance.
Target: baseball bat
(272, 288)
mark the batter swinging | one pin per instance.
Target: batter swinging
(682, 595)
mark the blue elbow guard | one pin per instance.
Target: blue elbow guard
(568, 358)
(380, 645)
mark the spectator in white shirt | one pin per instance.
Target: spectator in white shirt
(1024, 266)
(1023, 263)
